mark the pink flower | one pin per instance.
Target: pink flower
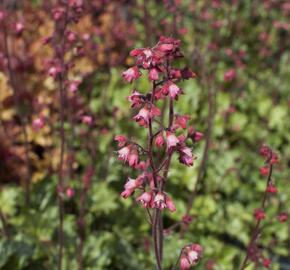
(73, 86)
(70, 192)
(259, 214)
(184, 263)
(229, 75)
(171, 140)
(136, 99)
(124, 153)
(145, 199)
(87, 119)
(19, 27)
(198, 136)
(187, 74)
(153, 74)
(159, 201)
(38, 123)
(170, 204)
(121, 140)
(181, 120)
(127, 193)
(264, 170)
(172, 90)
(283, 217)
(185, 156)
(131, 74)
(133, 158)
(271, 188)
(266, 262)
(159, 141)
(265, 151)
(144, 115)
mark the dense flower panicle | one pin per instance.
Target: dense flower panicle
(131, 74)
(157, 61)
(259, 214)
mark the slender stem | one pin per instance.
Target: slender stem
(4, 225)
(256, 230)
(63, 142)
(14, 86)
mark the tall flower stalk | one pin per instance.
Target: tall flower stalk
(163, 140)
(253, 254)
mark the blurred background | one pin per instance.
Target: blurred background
(240, 99)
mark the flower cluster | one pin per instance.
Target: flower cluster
(157, 62)
(190, 255)
(163, 139)
(254, 253)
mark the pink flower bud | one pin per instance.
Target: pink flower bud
(38, 123)
(184, 263)
(145, 199)
(171, 140)
(170, 204)
(153, 74)
(271, 188)
(121, 140)
(87, 119)
(259, 214)
(159, 141)
(70, 192)
(229, 75)
(283, 217)
(264, 171)
(131, 74)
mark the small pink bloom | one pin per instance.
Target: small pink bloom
(181, 120)
(170, 204)
(73, 86)
(229, 75)
(159, 141)
(184, 263)
(259, 214)
(121, 140)
(70, 192)
(153, 74)
(266, 262)
(171, 140)
(124, 153)
(131, 74)
(38, 123)
(143, 116)
(187, 219)
(136, 99)
(185, 156)
(87, 119)
(19, 27)
(127, 193)
(283, 217)
(265, 151)
(159, 201)
(172, 90)
(133, 158)
(187, 74)
(145, 199)
(198, 136)
(271, 188)
(264, 171)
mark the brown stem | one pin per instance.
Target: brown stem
(63, 142)
(14, 87)
(256, 230)
(4, 225)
